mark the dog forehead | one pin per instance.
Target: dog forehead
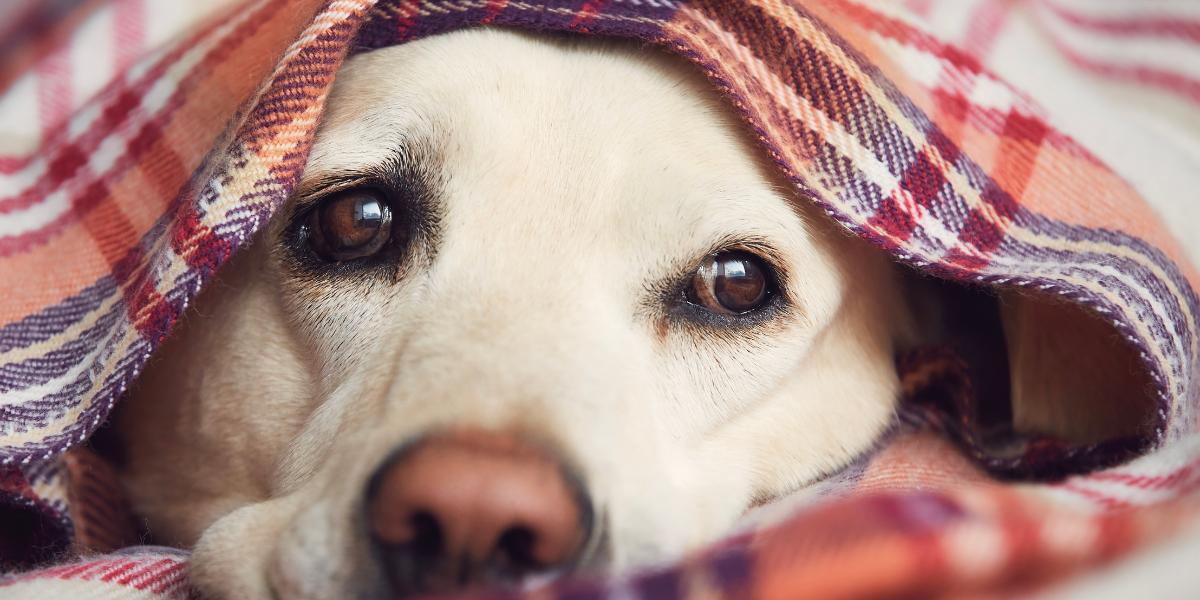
(547, 145)
(533, 108)
(495, 87)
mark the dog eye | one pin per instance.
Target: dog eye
(731, 283)
(349, 225)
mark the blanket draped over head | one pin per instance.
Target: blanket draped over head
(1018, 147)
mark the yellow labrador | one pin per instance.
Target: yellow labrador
(537, 305)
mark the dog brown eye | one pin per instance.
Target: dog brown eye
(349, 225)
(731, 283)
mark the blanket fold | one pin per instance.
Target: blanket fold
(141, 174)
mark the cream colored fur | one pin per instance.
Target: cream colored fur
(574, 177)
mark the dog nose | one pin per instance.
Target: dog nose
(470, 507)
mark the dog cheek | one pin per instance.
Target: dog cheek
(319, 555)
(231, 557)
(344, 329)
(668, 509)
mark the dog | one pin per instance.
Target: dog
(538, 304)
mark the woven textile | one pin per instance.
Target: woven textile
(1020, 144)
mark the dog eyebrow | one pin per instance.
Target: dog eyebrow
(411, 172)
(405, 160)
(731, 242)
(313, 189)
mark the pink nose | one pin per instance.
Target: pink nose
(474, 507)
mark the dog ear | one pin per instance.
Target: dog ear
(1071, 375)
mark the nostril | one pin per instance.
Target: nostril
(410, 555)
(428, 542)
(516, 551)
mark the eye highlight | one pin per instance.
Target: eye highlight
(350, 224)
(731, 283)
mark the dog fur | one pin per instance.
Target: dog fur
(568, 188)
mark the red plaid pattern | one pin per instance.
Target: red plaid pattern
(145, 141)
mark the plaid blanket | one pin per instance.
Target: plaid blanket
(1031, 144)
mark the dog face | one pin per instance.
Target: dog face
(554, 274)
